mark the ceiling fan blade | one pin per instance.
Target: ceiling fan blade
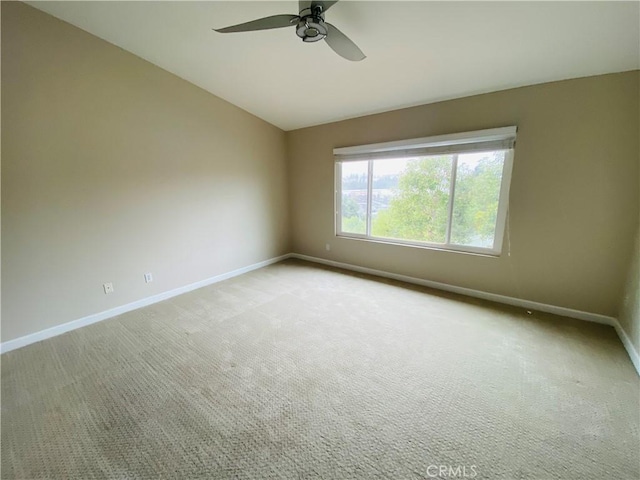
(267, 23)
(325, 4)
(342, 45)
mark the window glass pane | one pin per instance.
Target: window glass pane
(411, 198)
(476, 198)
(354, 197)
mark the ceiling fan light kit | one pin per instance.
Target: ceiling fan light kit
(310, 27)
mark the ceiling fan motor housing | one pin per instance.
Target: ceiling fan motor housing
(311, 27)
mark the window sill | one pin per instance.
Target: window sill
(478, 252)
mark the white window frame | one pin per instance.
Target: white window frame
(495, 139)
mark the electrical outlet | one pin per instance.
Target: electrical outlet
(108, 288)
(148, 278)
(328, 247)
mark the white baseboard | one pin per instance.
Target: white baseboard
(626, 341)
(516, 302)
(494, 297)
(97, 317)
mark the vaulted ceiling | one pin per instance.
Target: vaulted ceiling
(417, 52)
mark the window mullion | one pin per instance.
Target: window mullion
(452, 188)
(369, 196)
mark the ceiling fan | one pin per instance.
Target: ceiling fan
(310, 27)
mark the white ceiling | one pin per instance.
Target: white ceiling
(417, 52)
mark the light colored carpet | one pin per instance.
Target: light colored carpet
(297, 371)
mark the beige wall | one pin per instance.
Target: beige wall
(574, 191)
(112, 167)
(630, 304)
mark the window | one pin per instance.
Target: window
(449, 192)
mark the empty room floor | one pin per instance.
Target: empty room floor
(301, 371)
